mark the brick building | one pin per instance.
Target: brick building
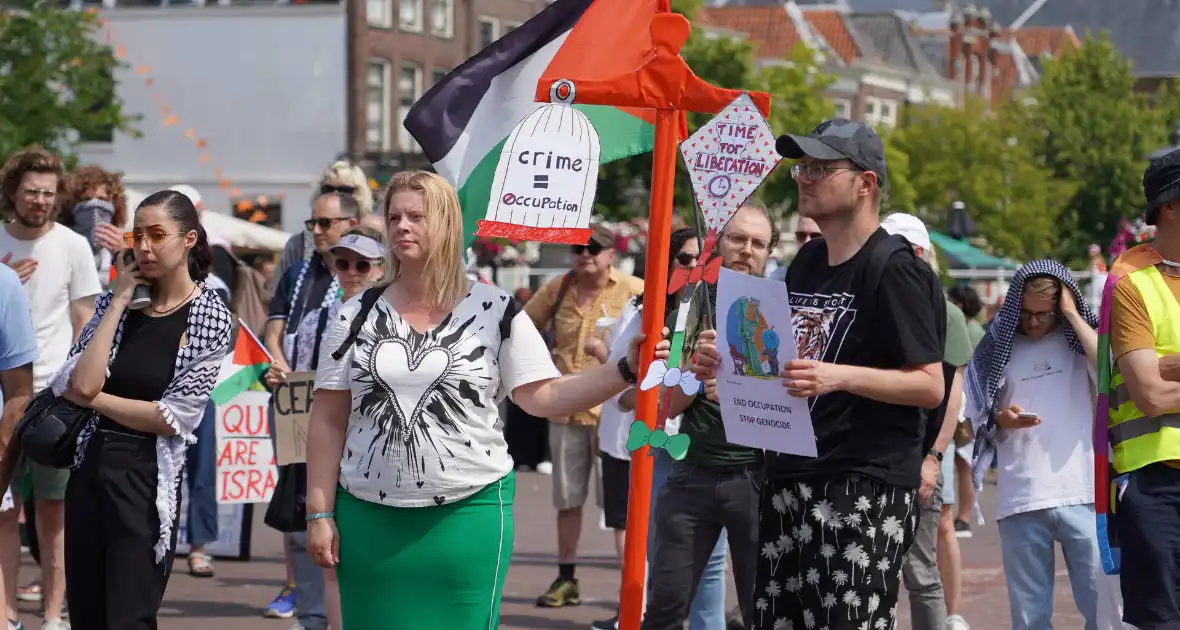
(399, 49)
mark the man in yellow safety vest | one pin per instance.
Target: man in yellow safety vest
(1143, 423)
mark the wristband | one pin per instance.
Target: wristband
(626, 372)
(317, 516)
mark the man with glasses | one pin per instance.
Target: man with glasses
(715, 487)
(1031, 391)
(870, 321)
(305, 289)
(570, 307)
(805, 230)
(56, 267)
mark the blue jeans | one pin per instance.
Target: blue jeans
(1026, 542)
(200, 460)
(708, 607)
(309, 584)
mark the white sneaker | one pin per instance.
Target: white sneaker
(55, 624)
(956, 622)
(545, 468)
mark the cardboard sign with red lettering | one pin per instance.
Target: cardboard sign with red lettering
(728, 158)
(246, 471)
(292, 405)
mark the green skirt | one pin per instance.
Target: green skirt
(424, 568)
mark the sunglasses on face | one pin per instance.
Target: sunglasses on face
(154, 239)
(685, 258)
(344, 190)
(362, 267)
(593, 248)
(323, 224)
(803, 237)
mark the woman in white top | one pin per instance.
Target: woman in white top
(410, 487)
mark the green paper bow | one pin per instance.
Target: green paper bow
(641, 436)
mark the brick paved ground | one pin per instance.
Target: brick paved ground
(234, 599)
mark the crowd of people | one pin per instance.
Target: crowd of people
(434, 389)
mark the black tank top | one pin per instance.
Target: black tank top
(146, 361)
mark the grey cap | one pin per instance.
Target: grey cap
(839, 139)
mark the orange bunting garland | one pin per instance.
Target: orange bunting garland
(169, 119)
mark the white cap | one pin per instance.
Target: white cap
(190, 192)
(361, 244)
(911, 227)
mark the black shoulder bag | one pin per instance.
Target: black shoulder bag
(550, 332)
(49, 430)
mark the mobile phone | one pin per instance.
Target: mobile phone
(142, 296)
(1027, 415)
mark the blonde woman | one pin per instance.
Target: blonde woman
(342, 177)
(410, 488)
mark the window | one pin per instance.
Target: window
(439, 75)
(489, 31)
(409, 88)
(509, 27)
(380, 12)
(843, 108)
(409, 15)
(377, 107)
(442, 17)
(880, 111)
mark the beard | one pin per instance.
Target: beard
(28, 219)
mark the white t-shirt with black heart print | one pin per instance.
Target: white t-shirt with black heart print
(425, 427)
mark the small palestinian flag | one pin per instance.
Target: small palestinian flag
(463, 121)
(242, 369)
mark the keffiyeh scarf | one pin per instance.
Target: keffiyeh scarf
(197, 366)
(985, 373)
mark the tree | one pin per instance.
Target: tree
(988, 162)
(57, 83)
(796, 87)
(1094, 128)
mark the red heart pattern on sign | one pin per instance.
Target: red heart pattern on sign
(725, 177)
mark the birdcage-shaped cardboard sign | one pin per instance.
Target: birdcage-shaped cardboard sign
(546, 179)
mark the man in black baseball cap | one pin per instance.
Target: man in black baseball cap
(870, 321)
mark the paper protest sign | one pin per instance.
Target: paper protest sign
(755, 339)
(728, 158)
(545, 180)
(291, 401)
(246, 470)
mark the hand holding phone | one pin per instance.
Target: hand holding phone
(141, 296)
(1014, 417)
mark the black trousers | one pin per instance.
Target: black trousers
(112, 527)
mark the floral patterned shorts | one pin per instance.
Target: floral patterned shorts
(831, 553)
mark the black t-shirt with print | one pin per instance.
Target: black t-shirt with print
(838, 319)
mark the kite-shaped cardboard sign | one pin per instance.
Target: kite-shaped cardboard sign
(546, 179)
(728, 158)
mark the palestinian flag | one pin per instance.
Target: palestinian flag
(241, 369)
(463, 121)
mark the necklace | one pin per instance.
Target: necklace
(182, 303)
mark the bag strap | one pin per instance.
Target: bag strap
(551, 327)
(321, 327)
(368, 299)
(875, 267)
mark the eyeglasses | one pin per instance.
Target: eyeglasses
(38, 193)
(803, 237)
(741, 240)
(362, 267)
(593, 248)
(1037, 315)
(154, 239)
(816, 172)
(344, 190)
(323, 224)
(685, 258)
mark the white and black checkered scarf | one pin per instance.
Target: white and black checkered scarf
(986, 371)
